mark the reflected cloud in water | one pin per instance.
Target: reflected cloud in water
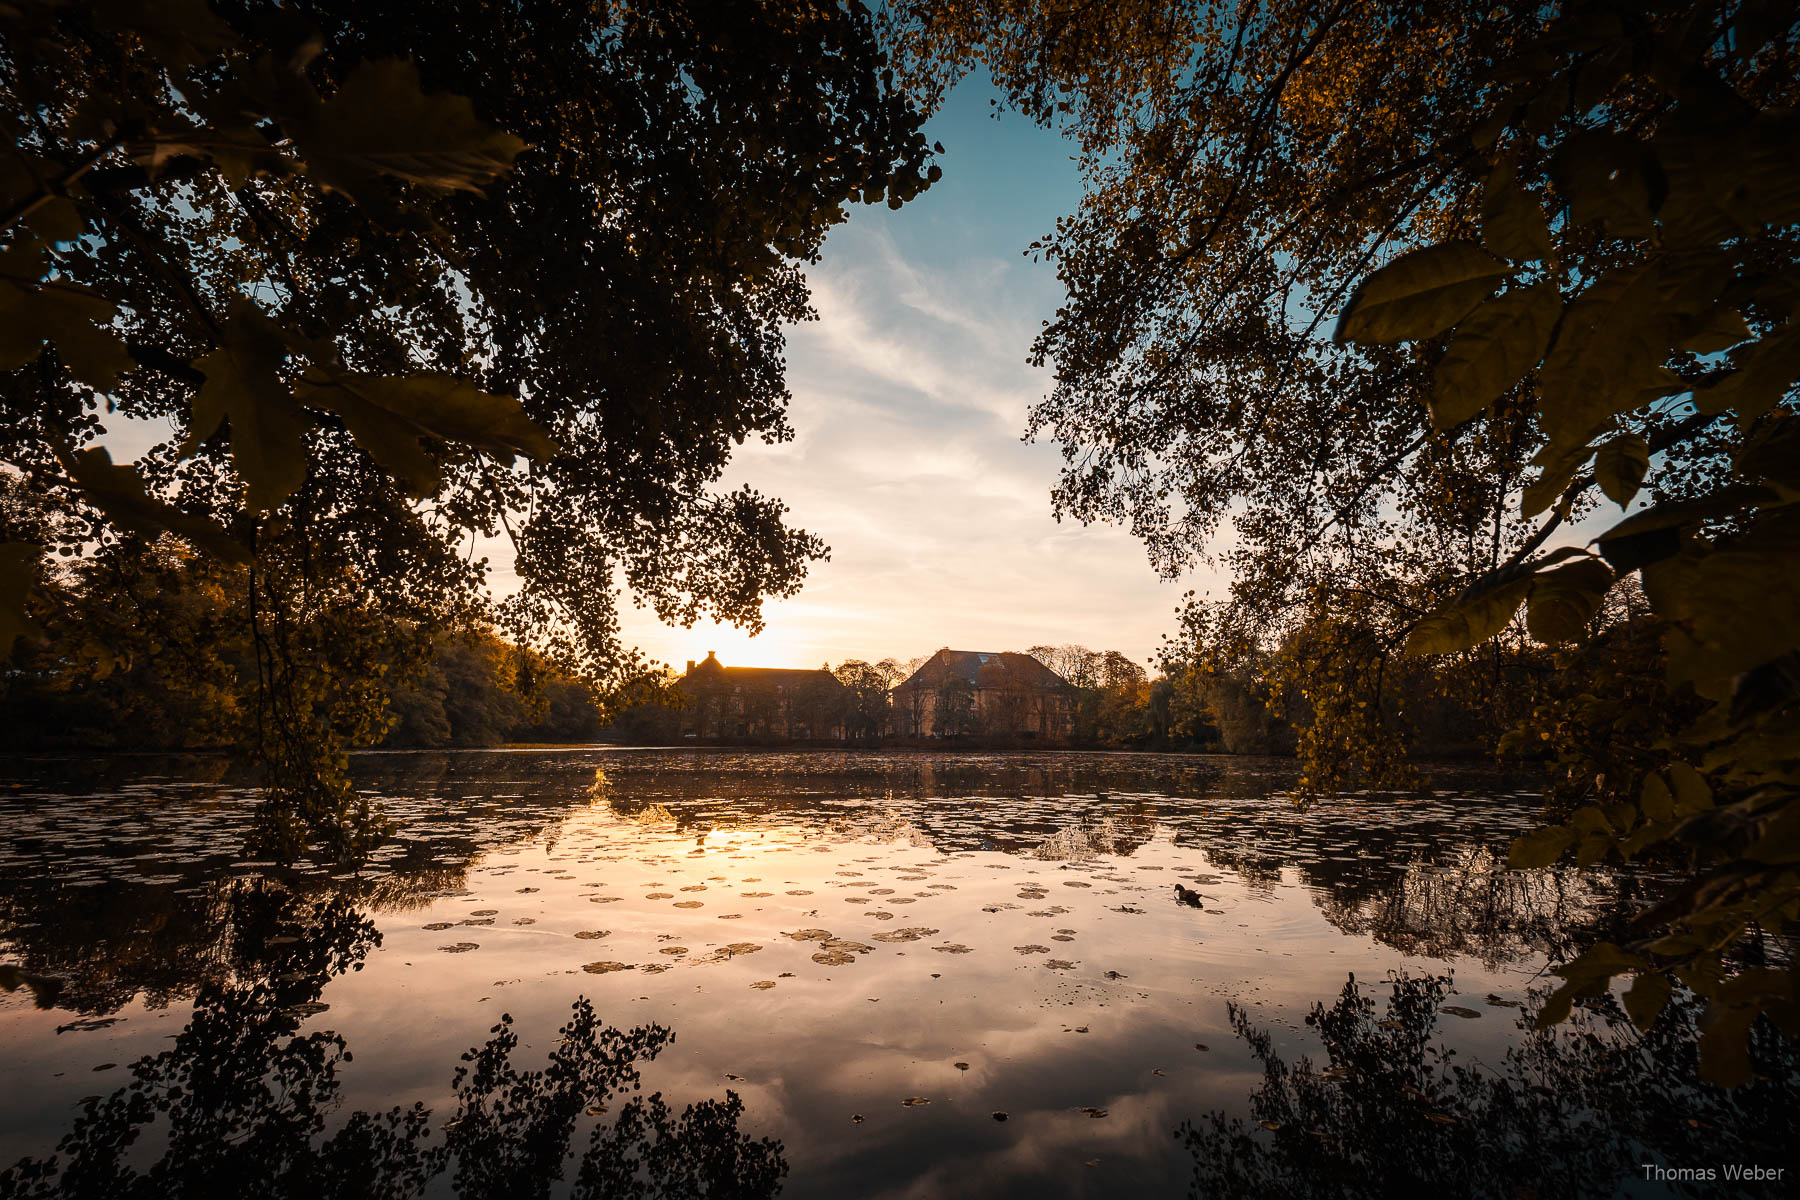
(244, 1103)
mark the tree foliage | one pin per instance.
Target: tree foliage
(1559, 244)
(397, 285)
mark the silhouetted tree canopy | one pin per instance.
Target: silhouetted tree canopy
(396, 284)
(1555, 248)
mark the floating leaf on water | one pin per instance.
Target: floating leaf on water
(524, 920)
(1059, 964)
(911, 933)
(961, 1066)
(485, 912)
(593, 934)
(998, 1116)
(603, 968)
(856, 1118)
(437, 925)
(460, 947)
(603, 899)
(476, 921)
(954, 948)
(593, 1110)
(763, 985)
(1116, 975)
(307, 1009)
(1200, 1046)
(660, 896)
(526, 891)
(673, 950)
(833, 958)
(810, 935)
(734, 1078)
(1033, 949)
(1271, 1126)
(915, 1101)
(800, 892)
(1457, 1010)
(1091, 1111)
(689, 904)
(1075, 883)
(732, 951)
(1062, 937)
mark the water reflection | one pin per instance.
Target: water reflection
(245, 1104)
(834, 934)
(1578, 1111)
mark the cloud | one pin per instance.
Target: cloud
(910, 397)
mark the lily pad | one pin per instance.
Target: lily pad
(604, 968)
(460, 947)
(592, 935)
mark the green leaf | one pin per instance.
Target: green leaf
(77, 319)
(1512, 221)
(1720, 329)
(1645, 998)
(380, 122)
(1492, 350)
(1773, 453)
(388, 409)
(1559, 469)
(1620, 466)
(1563, 601)
(1657, 802)
(1679, 514)
(1540, 847)
(1692, 795)
(118, 491)
(1615, 339)
(18, 572)
(244, 386)
(1420, 294)
(1469, 620)
(1769, 370)
(1609, 180)
(1599, 963)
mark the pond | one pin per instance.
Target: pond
(918, 974)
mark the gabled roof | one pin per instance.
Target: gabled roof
(711, 668)
(983, 669)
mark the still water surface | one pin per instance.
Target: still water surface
(877, 952)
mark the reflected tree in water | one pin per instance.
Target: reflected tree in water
(1570, 1113)
(245, 1104)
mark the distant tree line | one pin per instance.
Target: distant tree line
(150, 654)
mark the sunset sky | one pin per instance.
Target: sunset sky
(910, 397)
(910, 394)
